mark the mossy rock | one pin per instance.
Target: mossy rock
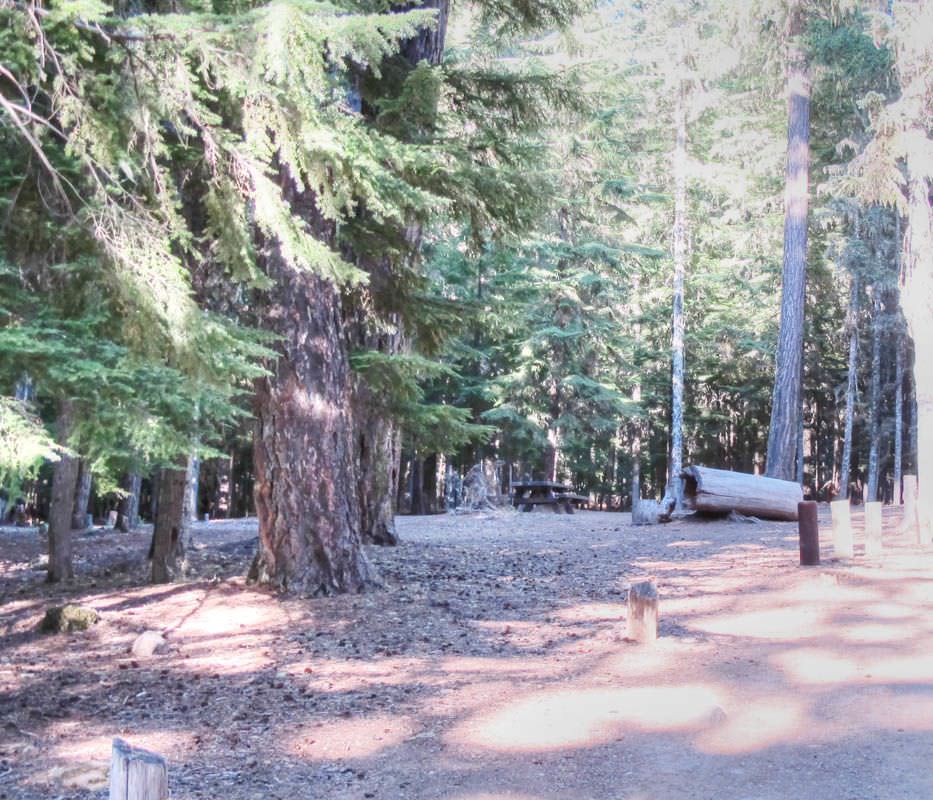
(67, 619)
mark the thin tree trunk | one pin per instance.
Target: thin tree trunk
(800, 449)
(224, 497)
(898, 373)
(193, 482)
(417, 484)
(845, 469)
(785, 405)
(169, 528)
(128, 508)
(82, 496)
(918, 309)
(874, 402)
(64, 481)
(674, 486)
(404, 480)
(898, 415)
(429, 482)
(636, 424)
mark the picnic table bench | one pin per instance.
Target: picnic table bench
(559, 496)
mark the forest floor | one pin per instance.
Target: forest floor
(493, 665)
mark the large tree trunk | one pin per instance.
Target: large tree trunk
(168, 533)
(785, 405)
(128, 508)
(82, 496)
(846, 469)
(64, 481)
(874, 400)
(674, 488)
(306, 494)
(918, 309)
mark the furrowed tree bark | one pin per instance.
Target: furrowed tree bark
(64, 481)
(846, 468)
(304, 449)
(874, 401)
(785, 404)
(82, 496)
(169, 529)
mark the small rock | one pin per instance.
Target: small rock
(68, 618)
(147, 644)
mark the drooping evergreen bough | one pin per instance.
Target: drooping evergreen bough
(268, 165)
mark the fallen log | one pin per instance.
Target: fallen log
(720, 491)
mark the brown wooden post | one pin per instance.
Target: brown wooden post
(137, 774)
(809, 529)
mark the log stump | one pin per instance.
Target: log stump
(643, 612)
(137, 774)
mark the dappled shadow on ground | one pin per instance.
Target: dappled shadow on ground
(495, 666)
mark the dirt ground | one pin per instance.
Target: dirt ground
(493, 665)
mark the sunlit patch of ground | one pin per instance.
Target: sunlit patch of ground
(495, 667)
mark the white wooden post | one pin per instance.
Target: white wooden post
(909, 522)
(643, 612)
(873, 545)
(137, 774)
(842, 529)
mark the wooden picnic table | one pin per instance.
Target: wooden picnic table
(558, 496)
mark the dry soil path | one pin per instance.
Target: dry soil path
(494, 665)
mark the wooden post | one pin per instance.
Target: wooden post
(137, 774)
(909, 521)
(643, 612)
(809, 529)
(842, 529)
(873, 544)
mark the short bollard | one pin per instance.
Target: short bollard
(873, 546)
(842, 529)
(137, 774)
(809, 534)
(643, 612)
